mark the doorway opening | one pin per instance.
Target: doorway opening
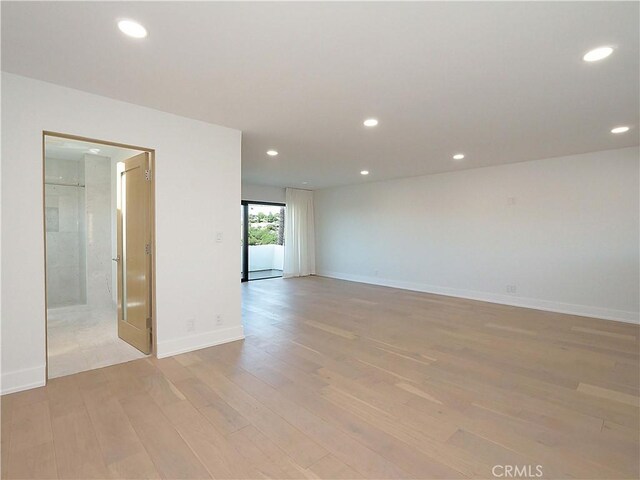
(262, 241)
(98, 223)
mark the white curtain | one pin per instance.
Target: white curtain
(299, 235)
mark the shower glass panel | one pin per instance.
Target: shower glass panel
(65, 233)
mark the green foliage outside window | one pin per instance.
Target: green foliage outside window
(263, 236)
(266, 229)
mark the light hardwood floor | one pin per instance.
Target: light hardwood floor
(346, 380)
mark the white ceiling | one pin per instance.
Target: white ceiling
(501, 82)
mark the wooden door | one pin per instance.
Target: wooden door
(134, 252)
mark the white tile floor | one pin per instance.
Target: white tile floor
(82, 338)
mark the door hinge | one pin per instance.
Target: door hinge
(147, 174)
(148, 323)
(147, 249)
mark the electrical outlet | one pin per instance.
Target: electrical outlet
(191, 324)
(219, 237)
(218, 319)
(511, 289)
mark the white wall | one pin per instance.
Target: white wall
(197, 178)
(564, 231)
(262, 193)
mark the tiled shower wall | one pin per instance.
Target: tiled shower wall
(65, 232)
(78, 229)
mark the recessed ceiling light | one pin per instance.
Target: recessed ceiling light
(364, 172)
(94, 150)
(597, 54)
(272, 153)
(132, 29)
(458, 156)
(622, 129)
(370, 122)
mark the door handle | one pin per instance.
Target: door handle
(117, 259)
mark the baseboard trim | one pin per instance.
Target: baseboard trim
(190, 343)
(525, 302)
(23, 379)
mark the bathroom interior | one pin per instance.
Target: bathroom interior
(81, 246)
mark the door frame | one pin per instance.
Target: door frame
(245, 235)
(152, 219)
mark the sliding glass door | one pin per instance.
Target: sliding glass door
(262, 240)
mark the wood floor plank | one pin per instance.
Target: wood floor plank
(418, 391)
(338, 441)
(331, 467)
(264, 455)
(170, 454)
(224, 417)
(218, 412)
(122, 450)
(510, 328)
(217, 453)
(34, 462)
(162, 389)
(609, 394)
(31, 449)
(605, 333)
(333, 330)
(300, 447)
(5, 434)
(337, 380)
(78, 454)
(31, 425)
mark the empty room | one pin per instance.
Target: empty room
(433, 209)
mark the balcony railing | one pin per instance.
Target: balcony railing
(268, 259)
